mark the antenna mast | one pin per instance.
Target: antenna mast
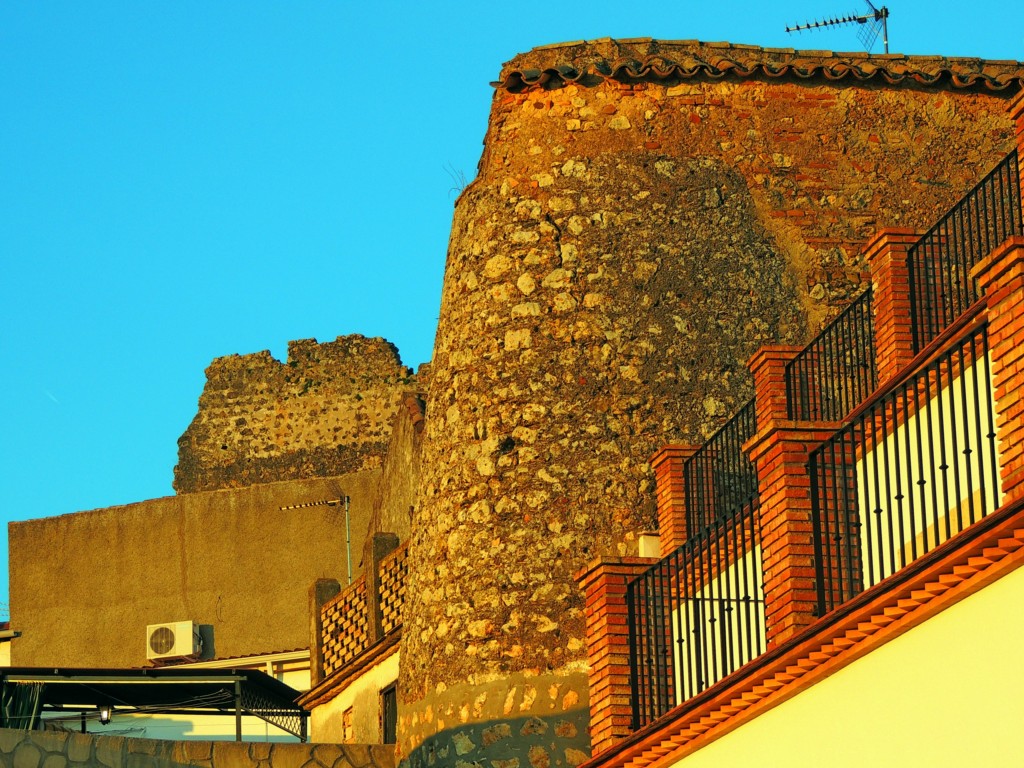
(876, 21)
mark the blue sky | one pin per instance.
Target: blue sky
(184, 180)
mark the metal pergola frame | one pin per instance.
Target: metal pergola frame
(231, 692)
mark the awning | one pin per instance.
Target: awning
(228, 692)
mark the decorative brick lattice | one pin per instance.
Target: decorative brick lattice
(392, 589)
(344, 627)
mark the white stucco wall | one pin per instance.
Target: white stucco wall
(732, 629)
(363, 696)
(890, 477)
(946, 693)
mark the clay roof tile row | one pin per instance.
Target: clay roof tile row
(643, 59)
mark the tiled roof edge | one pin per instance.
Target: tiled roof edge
(644, 59)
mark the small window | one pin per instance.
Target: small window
(389, 715)
(346, 726)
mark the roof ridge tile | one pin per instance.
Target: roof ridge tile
(608, 57)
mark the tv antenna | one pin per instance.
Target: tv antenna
(872, 23)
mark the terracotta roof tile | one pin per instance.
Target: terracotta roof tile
(644, 59)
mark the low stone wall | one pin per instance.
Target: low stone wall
(48, 749)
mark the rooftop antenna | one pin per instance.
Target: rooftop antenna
(872, 23)
(341, 499)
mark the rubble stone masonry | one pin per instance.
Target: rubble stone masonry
(626, 247)
(327, 410)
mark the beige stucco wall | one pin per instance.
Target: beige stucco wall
(363, 696)
(84, 586)
(946, 693)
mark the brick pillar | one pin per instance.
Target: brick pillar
(668, 466)
(886, 254)
(1000, 279)
(320, 593)
(779, 450)
(381, 546)
(603, 583)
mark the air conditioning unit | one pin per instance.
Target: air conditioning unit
(176, 640)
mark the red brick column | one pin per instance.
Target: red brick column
(886, 254)
(604, 588)
(779, 450)
(670, 492)
(1000, 279)
(769, 368)
(321, 591)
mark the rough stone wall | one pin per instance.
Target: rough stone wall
(325, 411)
(84, 586)
(623, 251)
(826, 163)
(399, 480)
(45, 749)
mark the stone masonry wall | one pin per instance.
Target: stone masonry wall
(48, 749)
(826, 162)
(624, 250)
(326, 410)
(396, 495)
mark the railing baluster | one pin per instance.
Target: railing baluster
(911, 497)
(983, 219)
(699, 614)
(837, 369)
(703, 605)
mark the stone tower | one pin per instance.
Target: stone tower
(645, 217)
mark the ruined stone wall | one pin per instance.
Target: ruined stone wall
(624, 250)
(85, 586)
(325, 411)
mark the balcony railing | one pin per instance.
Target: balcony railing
(836, 371)
(908, 472)
(939, 264)
(911, 468)
(697, 615)
(719, 478)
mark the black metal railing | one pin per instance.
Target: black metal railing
(836, 371)
(719, 479)
(913, 469)
(939, 264)
(696, 616)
